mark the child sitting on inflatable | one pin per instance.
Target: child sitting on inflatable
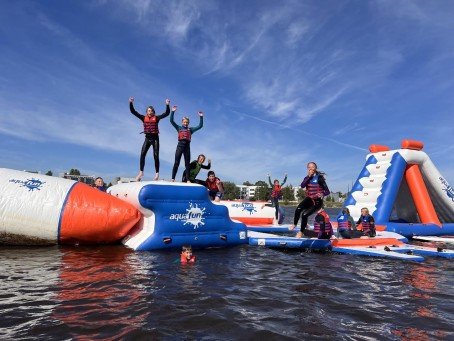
(186, 255)
(322, 226)
(367, 222)
(346, 225)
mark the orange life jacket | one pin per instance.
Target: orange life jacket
(185, 260)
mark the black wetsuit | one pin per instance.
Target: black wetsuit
(183, 146)
(194, 169)
(309, 205)
(150, 139)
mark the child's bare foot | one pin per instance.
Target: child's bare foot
(156, 177)
(299, 235)
(139, 176)
(291, 227)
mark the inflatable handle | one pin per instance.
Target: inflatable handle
(375, 148)
(410, 144)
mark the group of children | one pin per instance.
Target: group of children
(151, 130)
(314, 182)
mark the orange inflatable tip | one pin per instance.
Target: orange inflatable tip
(93, 217)
(410, 144)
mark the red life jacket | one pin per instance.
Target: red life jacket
(184, 134)
(276, 192)
(313, 188)
(212, 185)
(185, 260)
(328, 226)
(150, 125)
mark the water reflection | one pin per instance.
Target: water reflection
(422, 281)
(100, 293)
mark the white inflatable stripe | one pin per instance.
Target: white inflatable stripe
(44, 197)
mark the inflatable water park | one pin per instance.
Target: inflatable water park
(402, 189)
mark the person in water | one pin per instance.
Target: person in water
(151, 131)
(322, 226)
(215, 187)
(99, 184)
(186, 254)
(346, 227)
(367, 223)
(316, 189)
(194, 169)
(276, 194)
(184, 142)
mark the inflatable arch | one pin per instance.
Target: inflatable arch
(404, 192)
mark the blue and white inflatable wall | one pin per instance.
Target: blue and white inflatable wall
(404, 192)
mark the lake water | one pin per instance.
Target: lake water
(239, 293)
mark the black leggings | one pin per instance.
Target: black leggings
(349, 234)
(275, 202)
(183, 148)
(305, 208)
(150, 141)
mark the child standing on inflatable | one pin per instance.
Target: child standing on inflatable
(316, 189)
(367, 223)
(186, 255)
(184, 142)
(151, 131)
(276, 194)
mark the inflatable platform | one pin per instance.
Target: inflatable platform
(385, 245)
(176, 214)
(252, 212)
(38, 209)
(404, 192)
(444, 240)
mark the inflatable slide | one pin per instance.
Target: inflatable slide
(404, 192)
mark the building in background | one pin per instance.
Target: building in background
(121, 179)
(86, 179)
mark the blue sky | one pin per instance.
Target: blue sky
(281, 83)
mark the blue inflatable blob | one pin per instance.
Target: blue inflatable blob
(178, 214)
